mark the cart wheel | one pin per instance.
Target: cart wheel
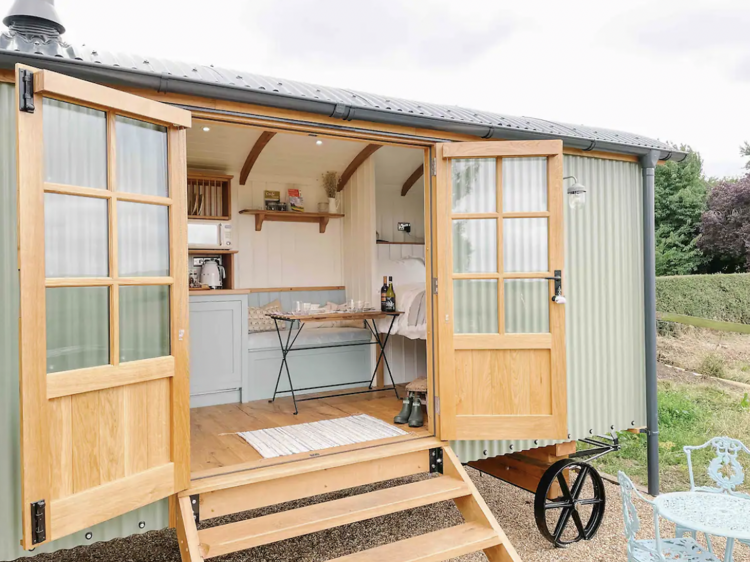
(583, 503)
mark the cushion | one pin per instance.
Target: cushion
(322, 336)
(257, 321)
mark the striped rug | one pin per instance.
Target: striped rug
(305, 437)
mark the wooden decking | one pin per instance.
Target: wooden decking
(215, 447)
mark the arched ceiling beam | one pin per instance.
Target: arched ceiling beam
(258, 147)
(367, 151)
(418, 173)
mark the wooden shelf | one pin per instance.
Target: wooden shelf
(209, 195)
(401, 243)
(290, 216)
(209, 251)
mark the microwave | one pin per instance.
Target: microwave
(209, 235)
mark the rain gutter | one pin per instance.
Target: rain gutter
(165, 83)
(649, 303)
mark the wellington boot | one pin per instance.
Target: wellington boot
(416, 419)
(403, 415)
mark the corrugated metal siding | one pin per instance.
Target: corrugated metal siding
(155, 516)
(604, 313)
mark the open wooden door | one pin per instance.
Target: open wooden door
(105, 416)
(501, 338)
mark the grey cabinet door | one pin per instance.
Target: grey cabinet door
(215, 346)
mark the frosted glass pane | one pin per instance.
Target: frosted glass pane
(474, 185)
(77, 328)
(76, 236)
(141, 157)
(75, 144)
(525, 245)
(524, 185)
(144, 322)
(475, 306)
(475, 246)
(143, 239)
(527, 306)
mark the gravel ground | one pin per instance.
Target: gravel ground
(513, 508)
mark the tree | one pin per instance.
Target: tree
(680, 194)
(745, 151)
(725, 226)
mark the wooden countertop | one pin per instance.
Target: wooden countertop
(209, 292)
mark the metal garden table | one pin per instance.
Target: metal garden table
(720, 515)
(369, 318)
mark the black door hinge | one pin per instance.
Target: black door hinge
(436, 460)
(38, 522)
(195, 503)
(26, 91)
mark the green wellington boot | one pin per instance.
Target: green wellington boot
(403, 415)
(416, 419)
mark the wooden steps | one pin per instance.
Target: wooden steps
(432, 547)
(233, 493)
(294, 523)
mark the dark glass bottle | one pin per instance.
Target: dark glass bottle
(383, 290)
(390, 297)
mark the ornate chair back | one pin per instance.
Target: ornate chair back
(632, 522)
(725, 470)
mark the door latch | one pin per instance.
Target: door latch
(558, 297)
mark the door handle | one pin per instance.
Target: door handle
(558, 297)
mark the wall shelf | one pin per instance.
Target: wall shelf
(401, 243)
(210, 252)
(262, 216)
(209, 195)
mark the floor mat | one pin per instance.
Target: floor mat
(305, 437)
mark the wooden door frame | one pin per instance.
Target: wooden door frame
(90, 506)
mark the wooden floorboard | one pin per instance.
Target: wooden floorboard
(215, 445)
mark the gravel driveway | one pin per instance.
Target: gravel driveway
(512, 507)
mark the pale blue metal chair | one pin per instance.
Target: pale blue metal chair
(684, 549)
(725, 470)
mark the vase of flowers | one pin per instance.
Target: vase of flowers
(330, 181)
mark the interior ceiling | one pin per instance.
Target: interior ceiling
(225, 147)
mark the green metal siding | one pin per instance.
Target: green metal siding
(154, 516)
(604, 312)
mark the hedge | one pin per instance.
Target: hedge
(716, 297)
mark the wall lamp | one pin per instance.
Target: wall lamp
(576, 193)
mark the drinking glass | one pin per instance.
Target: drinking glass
(306, 308)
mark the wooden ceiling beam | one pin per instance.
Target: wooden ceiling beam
(418, 173)
(258, 147)
(367, 151)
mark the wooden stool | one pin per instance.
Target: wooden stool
(418, 386)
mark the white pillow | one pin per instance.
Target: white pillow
(257, 321)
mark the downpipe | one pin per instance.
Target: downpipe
(648, 162)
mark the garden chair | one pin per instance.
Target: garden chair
(658, 550)
(724, 470)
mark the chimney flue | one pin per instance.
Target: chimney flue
(34, 18)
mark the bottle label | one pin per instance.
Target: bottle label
(390, 304)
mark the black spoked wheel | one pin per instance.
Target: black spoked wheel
(569, 502)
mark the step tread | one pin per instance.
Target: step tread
(241, 535)
(432, 547)
(251, 476)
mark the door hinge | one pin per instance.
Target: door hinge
(195, 504)
(436, 460)
(26, 91)
(434, 286)
(433, 167)
(38, 522)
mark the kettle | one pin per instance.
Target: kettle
(212, 274)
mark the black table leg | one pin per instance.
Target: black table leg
(285, 349)
(382, 343)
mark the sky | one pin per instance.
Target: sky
(676, 70)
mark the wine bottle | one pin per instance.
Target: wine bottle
(383, 290)
(390, 297)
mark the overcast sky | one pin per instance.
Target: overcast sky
(675, 70)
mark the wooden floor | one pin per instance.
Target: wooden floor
(215, 447)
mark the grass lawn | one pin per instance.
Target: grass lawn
(691, 411)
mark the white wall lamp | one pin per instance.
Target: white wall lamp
(576, 193)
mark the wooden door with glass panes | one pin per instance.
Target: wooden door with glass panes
(501, 337)
(103, 308)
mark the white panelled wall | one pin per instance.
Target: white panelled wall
(359, 235)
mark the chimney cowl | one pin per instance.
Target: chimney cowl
(34, 17)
